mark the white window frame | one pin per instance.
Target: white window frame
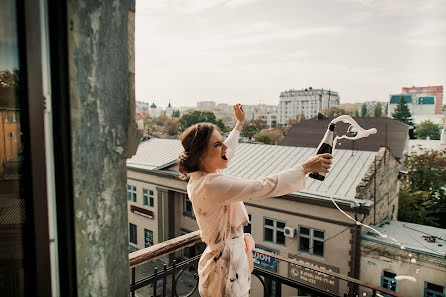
(148, 198)
(275, 229)
(132, 191)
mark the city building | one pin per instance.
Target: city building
(417, 270)
(206, 105)
(308, 102)
(305, 226)
(421, 107)
(435, 91)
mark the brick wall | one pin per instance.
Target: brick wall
(384, 181)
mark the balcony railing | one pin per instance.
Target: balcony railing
(166, 281)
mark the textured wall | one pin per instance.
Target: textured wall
(99, 98)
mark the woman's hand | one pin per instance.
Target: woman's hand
(239, 114)
(318, 163)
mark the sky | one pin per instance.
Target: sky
(249, 51)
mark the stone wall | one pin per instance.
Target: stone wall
(384, 182)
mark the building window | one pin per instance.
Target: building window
(388, 281)
(187, 206)
(148, 238)
(148, 199)
(432, 290)
(311, 241)
(133, 234)
(273, 231)
(131, 193)
(247, 228)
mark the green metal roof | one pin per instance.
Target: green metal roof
(426, 100)
(395, 99)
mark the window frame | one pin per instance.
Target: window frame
(432, 292)
(135, 233)
(186, 200)
(148, 198)
(132, 193)
(275, 230)
(147, 231)
(312, 239)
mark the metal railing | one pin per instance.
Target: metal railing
(160, 280)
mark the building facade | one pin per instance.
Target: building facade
(305, 226)
(417, 270)
(308, 102)
(435, 91)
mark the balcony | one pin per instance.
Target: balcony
(166, 282)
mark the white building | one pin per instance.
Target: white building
(308, 102)
(421, 107)
(206, 105)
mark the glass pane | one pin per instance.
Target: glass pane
(268, 235)
(269, 222)
(318, 248)
(304, 244)
(304, 230)
(151, 201)
(280, 237)
(144, 191)
(247, 229)
(280, 225)
(318, 234)
(151, 193)
(13, 203)
(146, 200)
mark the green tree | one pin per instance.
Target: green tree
(176, 113)
(252, 127)
(171, 126)
(357, 113)
(195, 117)
(402, 113)
(377, 110)
(428, 129)
(273, 136)
(364, 112)
(387, 109)
(424, 187)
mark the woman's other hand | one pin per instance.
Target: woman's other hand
(239, 114)
(318, 163)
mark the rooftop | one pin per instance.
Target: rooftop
(414, 237)
(256, 160)
(391, 133)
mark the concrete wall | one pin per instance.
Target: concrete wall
(387, 187)
(377, 257)
(99, 101)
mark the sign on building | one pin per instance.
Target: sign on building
(313, 278)
(265, 261)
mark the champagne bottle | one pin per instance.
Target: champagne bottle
(326, 146)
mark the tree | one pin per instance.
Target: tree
(357, 113)
(176, 113)
(171, 127)
(273, 136)
(423, 191)
(402, 112)
(387, 109)
(377, 110)
(195, 117)
(364, 112)
(428, 129)
(334, 112)
(252, 127)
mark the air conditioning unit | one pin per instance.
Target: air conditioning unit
(289, 231)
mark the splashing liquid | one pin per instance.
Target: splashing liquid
(360, 133)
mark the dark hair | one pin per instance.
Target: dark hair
(195, 142)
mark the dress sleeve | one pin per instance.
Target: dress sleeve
(222, 190)
(231, 142)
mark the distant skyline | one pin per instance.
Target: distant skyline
(249, 51)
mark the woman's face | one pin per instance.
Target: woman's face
(215, 157)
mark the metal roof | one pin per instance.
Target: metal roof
(256, 160)
(419, 238)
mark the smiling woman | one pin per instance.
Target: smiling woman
(225, 266)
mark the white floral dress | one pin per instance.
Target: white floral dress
(226, 265)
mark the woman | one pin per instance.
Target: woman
(226, 265)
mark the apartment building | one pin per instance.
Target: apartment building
(305, 226)
(308, 102)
